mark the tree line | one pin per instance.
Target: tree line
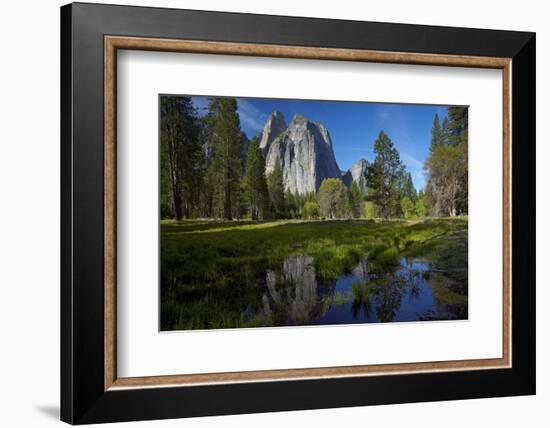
(209, 169)
(446, 167)
(391, 192)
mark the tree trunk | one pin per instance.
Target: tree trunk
(176, 200)
(452, 211)
(227, 204)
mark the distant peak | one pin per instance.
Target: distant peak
(299, 118)
(274, 126)
(275, 118)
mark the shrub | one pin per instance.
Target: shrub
(390, 256)
(311, 210)
(370, 210)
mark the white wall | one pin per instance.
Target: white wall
(29, 213)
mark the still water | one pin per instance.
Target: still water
(407, 292)
(412, 290)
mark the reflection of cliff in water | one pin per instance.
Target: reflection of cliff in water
(361, 271)
(408, 290)
(294, 295)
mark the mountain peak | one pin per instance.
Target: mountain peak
(274, 126)
(276, 115)
(304, 152)
(301, 124)
(299, 118)
(358, 174)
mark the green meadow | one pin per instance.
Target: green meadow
(217, 274)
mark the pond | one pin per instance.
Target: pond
(410, 290)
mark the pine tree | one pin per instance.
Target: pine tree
(385, 177)
(447, 167)
(445, 132)
(206, 201)
(420, 206)
(276, 190)
(227, 146)
(355, 200)
(458, 125)
(437, 134)
(293, 202)
(255, 184)
(408, 189)
(407, 207)
(181, 155)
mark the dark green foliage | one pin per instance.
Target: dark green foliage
(292, 205)
(445, 130)
(438, 137)
(276, 191)
(255, 184)
(361, 293)
(458, 125)
(447, 167)
(181, 157)
(386, 177)
(407, 189)
(226, 141)
(355, 201)
(206, 201)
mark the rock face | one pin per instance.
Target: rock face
(274, 127)
(304, 151)
(357, 174)
(295, 294)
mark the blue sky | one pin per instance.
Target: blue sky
(353, 127)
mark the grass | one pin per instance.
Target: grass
(210, 270)
(443, 291)
(341, 298)
(360, 292)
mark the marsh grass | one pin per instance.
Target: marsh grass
(211, 271)
(361, 292)
(341, 298)
(443, 291)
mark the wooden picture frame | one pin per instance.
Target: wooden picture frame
(91, 390)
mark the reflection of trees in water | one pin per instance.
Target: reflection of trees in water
(361, 306)
(294, 295)
(388, 292)
(449, 304)
(257, 296)
(388, 286)
(361, 271)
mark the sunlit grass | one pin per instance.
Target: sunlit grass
(230, 258)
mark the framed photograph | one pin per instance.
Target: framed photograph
(266, 213)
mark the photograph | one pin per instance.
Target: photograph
(286, 212)
(258, 211)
